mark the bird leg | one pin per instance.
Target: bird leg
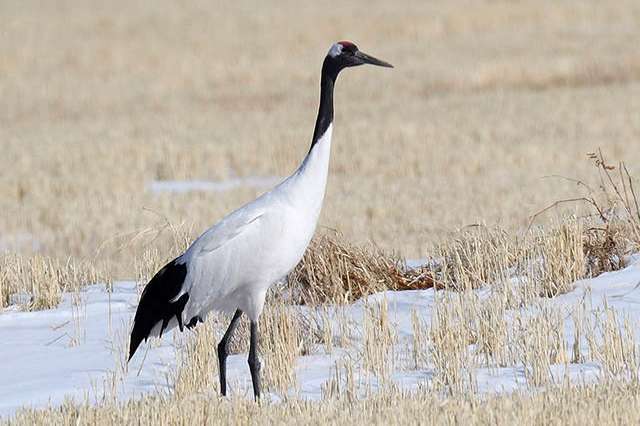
(254, 361)
(223, 351)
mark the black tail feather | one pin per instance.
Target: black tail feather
(193, 322)
(180, 303)
(155, 303)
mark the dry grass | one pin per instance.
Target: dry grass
(476, 257)
(615, 346)
(98, 103)
(485, 100)
(451, 336)
(283, 338)
(37, 282)
(541, 344)
(550, 260)
(336, 271)
(513, 325)
(380, 342)
(556, 260)
(607, 403)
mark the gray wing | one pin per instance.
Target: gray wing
(216, 237)
(226, 230)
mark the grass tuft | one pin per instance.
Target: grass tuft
(336, 271)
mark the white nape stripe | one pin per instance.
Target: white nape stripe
(335, 50)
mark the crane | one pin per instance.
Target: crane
(230, 267)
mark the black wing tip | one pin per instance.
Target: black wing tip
(155, 304)
(136, 339)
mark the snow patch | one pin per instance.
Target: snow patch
(73, 351)
(182, 186)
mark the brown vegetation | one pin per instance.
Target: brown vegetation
(101, 99)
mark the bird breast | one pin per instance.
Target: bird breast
(283, 221)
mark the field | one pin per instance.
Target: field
(111, 109)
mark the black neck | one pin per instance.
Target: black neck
(325, 111)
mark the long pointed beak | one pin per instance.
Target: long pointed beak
(366, 59)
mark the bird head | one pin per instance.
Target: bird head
(345, 54)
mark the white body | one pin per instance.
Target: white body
(232, 264)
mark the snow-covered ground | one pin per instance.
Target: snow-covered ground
(73, 350)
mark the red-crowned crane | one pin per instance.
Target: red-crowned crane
(232, 264)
